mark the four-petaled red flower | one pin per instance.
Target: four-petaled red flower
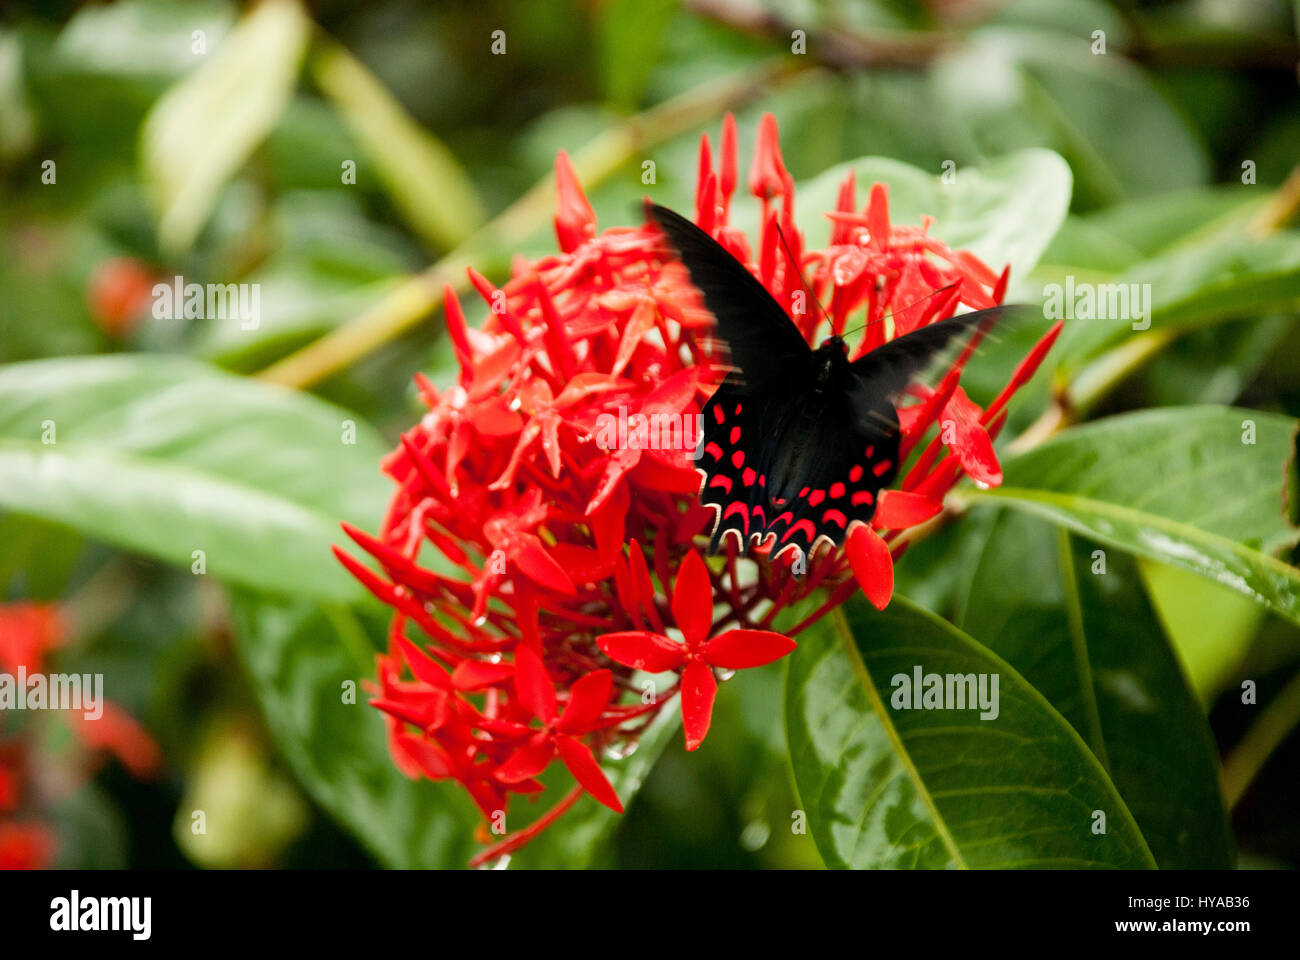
(699, 656)
(588, 699)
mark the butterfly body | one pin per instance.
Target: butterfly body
(797, 443)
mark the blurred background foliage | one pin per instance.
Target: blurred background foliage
(227, 165)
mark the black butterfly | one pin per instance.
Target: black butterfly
(797, 443)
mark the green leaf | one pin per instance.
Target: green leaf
(205, 127)
(1009, 87)
(1212, 628)
(1077, 625)
(1177, 485)
(888, 787)
(1230, 277)
(1155, 224)
(628, 34)
(423, 177)
(300, 657)
(166, 456)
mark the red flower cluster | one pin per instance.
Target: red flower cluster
(536, 555)
(28, 633)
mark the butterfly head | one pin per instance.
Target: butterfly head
(832, 360)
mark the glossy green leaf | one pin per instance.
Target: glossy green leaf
(1178, 485)
(167, 456)
(1230, 277)
(206, 126)
(1212, 628)
(1076, 623)
(1009, 87)
(889, 787)
(301, 659)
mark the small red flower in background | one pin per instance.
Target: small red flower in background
(118, 294)
(560, 523)
(28, 633)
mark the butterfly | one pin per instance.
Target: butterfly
(796, 444)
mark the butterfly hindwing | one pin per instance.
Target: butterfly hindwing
(749, 448)
(844, 470)
(730, 481)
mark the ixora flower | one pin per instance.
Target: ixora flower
(542, 546)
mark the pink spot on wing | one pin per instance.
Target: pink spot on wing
(735, 435)
(816, 497)
(855, 474)
(837, 491)
(860, 497)
(881, 468)
(721, 480)
(738, 459)
(806, 526)
(713, 450)
(739, 508)
(834, 516)
(749, 476)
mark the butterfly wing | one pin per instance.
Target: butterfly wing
(765, 344)
(843, 469)
(849, 449)
(883, 373)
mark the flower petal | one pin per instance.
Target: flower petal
(423, 666)
(588, 699)
(699, 687)
(969, 439)
(642, 650)
(477, 674)
(872, 565)
(540, 567)
(433, 759)
(577, 756)
(529, 760)
(533, 684)
(900, 509)
(693, 599)
(739, 649)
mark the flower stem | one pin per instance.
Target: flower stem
(413, 299)
(1277, 720)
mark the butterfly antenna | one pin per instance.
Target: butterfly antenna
(794, 265)
(934, 293)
